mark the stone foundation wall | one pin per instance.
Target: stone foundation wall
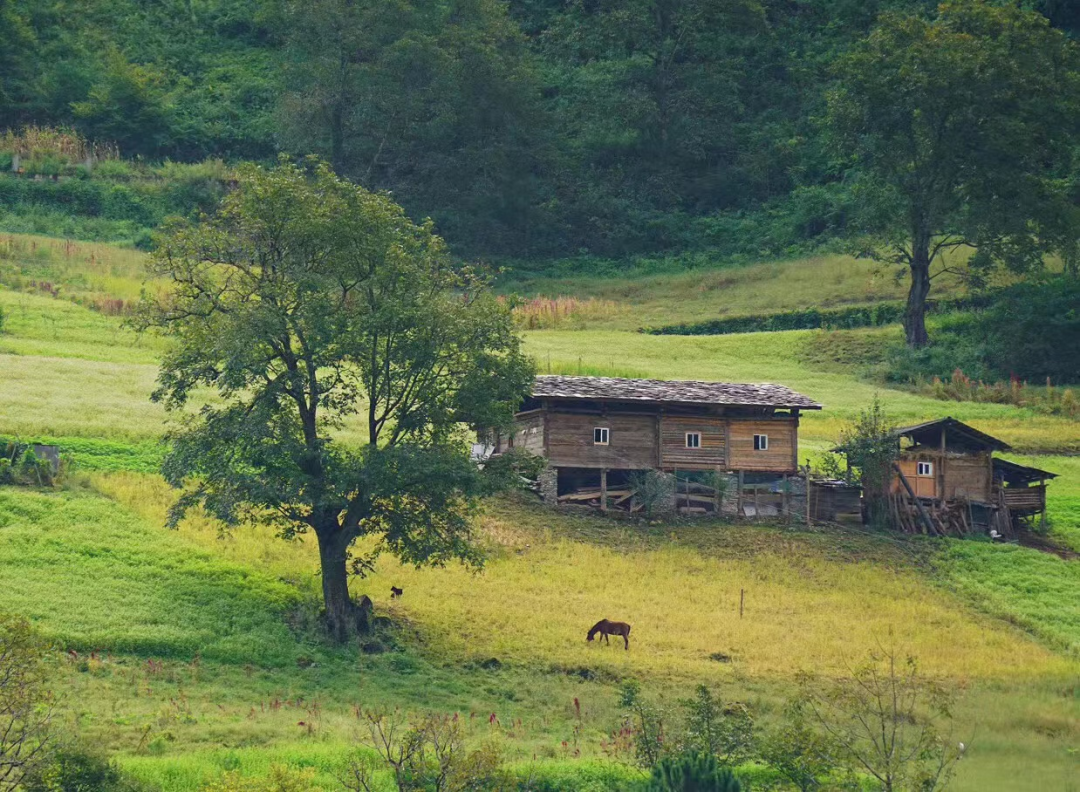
(549, 485)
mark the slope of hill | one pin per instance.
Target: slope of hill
(205, 658)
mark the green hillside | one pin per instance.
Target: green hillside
(189, 654)
(531, 128)
(868, 201)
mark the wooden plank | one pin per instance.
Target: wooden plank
(922, 511)
(689, 498)
(603, 489)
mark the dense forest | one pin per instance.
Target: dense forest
(527, 129)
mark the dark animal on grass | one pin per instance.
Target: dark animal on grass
(606, 628)
(395, 592)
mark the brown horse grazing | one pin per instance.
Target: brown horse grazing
(606, 628)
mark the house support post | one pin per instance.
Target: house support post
(603, 489)
(738, 502)
(807, 471)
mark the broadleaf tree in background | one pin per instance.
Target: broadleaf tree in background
(959, 131)
(436, 101)
(315, 310)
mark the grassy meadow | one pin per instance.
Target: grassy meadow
(645, 298)
(193, 652)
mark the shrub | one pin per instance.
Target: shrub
(25, 702)
(654, 489)
(645, 723)
(887, 720)
(281, 779)
(20, 465)
(801, 754)
(1033, 330)
(725, 733)
(692, 773)
(81, 770)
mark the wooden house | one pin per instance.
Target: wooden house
(595, 432)
(948, 481)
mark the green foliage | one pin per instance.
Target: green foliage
(957, 131)
(1032, 330)
(803, 755)
(645, 722)
(654, 489)
(692, 773)
(725, 733)
(870, 447)
(429, 753)
(25, 702)
(524, 129)
(337, 305)
(281, 779)
(20, 465)
(78, 769)
(1029, 331)
(887, 720)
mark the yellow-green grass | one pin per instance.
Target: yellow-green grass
(820, 281)
(813, 601)
(94, 576)
(81, 270)
(802, 609)
(81, 377)
(40, 326)
(774, 357)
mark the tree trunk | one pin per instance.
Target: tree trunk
(344, 618)
(915, 314)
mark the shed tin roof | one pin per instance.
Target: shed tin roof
(558, 386)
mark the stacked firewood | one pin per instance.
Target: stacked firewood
(941, 518)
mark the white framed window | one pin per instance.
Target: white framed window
(601, 435)
(924, 469)
(693, 439)
(761, 442)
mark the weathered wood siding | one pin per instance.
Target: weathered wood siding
(673, 450)
(783, 444)
(1025, 498)
(529, 433)
(968, 477)
(632, 443)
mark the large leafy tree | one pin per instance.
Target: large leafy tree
(436, 100)
(651, 95)
(958, 131)
(316, 311)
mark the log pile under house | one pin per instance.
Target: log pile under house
(726, 446)
(948, 483)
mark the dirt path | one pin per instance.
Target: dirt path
(1041, 543)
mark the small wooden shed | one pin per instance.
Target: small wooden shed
(949, 482)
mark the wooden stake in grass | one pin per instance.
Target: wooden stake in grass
(742, 597)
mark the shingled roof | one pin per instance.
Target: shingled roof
(557, 386)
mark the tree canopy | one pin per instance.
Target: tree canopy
(959, 131)
(535, 129)
(348, 359)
